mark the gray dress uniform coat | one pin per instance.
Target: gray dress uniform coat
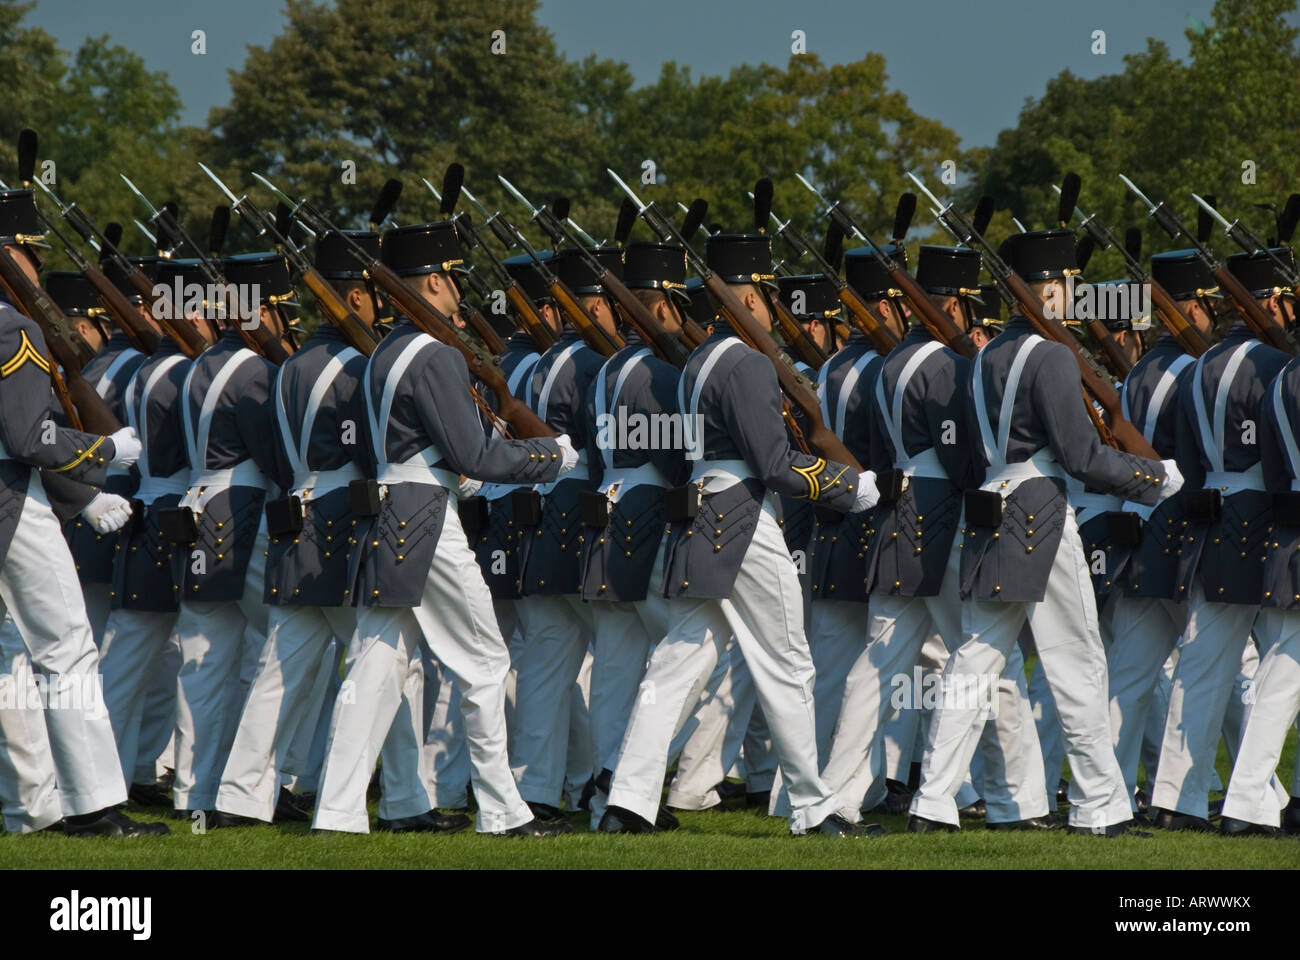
(311, 567)
(143, 574)
(1227, 555)
(837, 568)
(618, 558)
(1150, 397)
(739, 401)
(242, 431)
(1279, 449)
(551, 553)
(1013, 561)
(28, 417)
(109, 372)
(496, 545)
(914, 534)
(428, 406)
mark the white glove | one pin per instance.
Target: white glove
(468, 487)
(567, 453)
(107, 512)
(868, 495)
(126, 448)
(1173, 481)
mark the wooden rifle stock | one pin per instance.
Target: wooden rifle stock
(360, 337)
(1189, 338)
(795, 336)
(794, 384)
(529, 316)
(179, 329)
(1260, 322)
(881, 337)
(121, 310)
(491, 339)
(1111, 354)
(936, 321)
(595, 337)
(523, 422)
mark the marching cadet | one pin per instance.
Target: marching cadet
(418, 582)
(555, 623)
(108, 372)
(1145, 615)
(624, 516)
(219, 526)
(1021, 557)
(1225, 529)
(38, 580)
(140, 655)
(728, 569)
(1253, 804)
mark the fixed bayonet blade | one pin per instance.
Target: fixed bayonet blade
(153, 213)
(1212, 212)
(432, 190)
(1140, 195)
(641, 207)
(224, 189)
(145, 230)
(510, 188)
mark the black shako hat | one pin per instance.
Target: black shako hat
(524, 272)
(988, 307)
(869, 279)
(73, 293)
(270, 271)
(573, 269)
(810, 296)
(168, 271)
(334, 259)
(948, 271)
(1117, 304)
(701, 309)
(1259, 274)
(740, 257)
(18, 220)
(421, 248)
(1183, 274)
(1041, 254)
(654, 266)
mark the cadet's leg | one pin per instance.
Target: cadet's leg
(99, 604)
(698, 745)
(620, 648)
(29, 794)
(158, 718)
(579, 762)
(445, 753)
(836, 639)
(135, 643)
(405, 792)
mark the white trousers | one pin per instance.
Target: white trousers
(455, 620)
(698, 745)
(444, 758)
(765, 613)
(99, 604)
(556, 634)
(836, 637)
(579, 757)
(221, 644)
(1254, 793)
(40, 590)
(29, 795)
(138, 658)
(1068, 640)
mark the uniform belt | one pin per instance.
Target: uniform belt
(1041, 464)
(731, 472)
(153, 488)
(1084, 502)
(923, 464)
(627, 477)
(321, 482)
(1231, 481)
(419, 468)
(207, 483)
(577, 473)
(496, 491)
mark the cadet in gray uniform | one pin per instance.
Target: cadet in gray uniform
(1227, 517)
(234, 460)
(633, 460)
(419, 581)
(729, 570)
(38, 582)
(1021, 557)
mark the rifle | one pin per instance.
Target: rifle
(665, 345)
(1189, 338)
(1260, 322)
(359, 336)
(482, 365)
(795, 336)
(796, 386)
(1015, 290)
(257, 338)
(1248, 241)
(936, 321)
(603, 343)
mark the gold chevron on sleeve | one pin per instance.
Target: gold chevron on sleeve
(26, 351)
(85, 454)
(810, 473)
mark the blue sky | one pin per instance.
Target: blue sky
(970, 65)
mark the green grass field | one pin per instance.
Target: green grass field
(731, 839)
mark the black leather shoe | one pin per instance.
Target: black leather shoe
(189, 814)
(111, 823)
(897, 798)
(1143, 819)
(287, 809)
(917, 824)
(664, 820)
(1214, 808)
(428, 822)
(220, 820)
(622, 820)
(1125, 829)
(1142, 800)
(976, 811)
(1051, 821)
(1062, 791)
(1232, 827)
(1291, 817)
(546, 813)
(837, 826)
(149, 795)
(588, 791)
(728, 790)
(762, 800)
(536, 828)
(1173, 820)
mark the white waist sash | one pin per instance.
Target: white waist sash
(1230, 482)
(924, 463)
(321, 482)
(627, 477)
(419, 468)
(731, 472)
(206, 484)
(1041, 464)
(153, 488)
